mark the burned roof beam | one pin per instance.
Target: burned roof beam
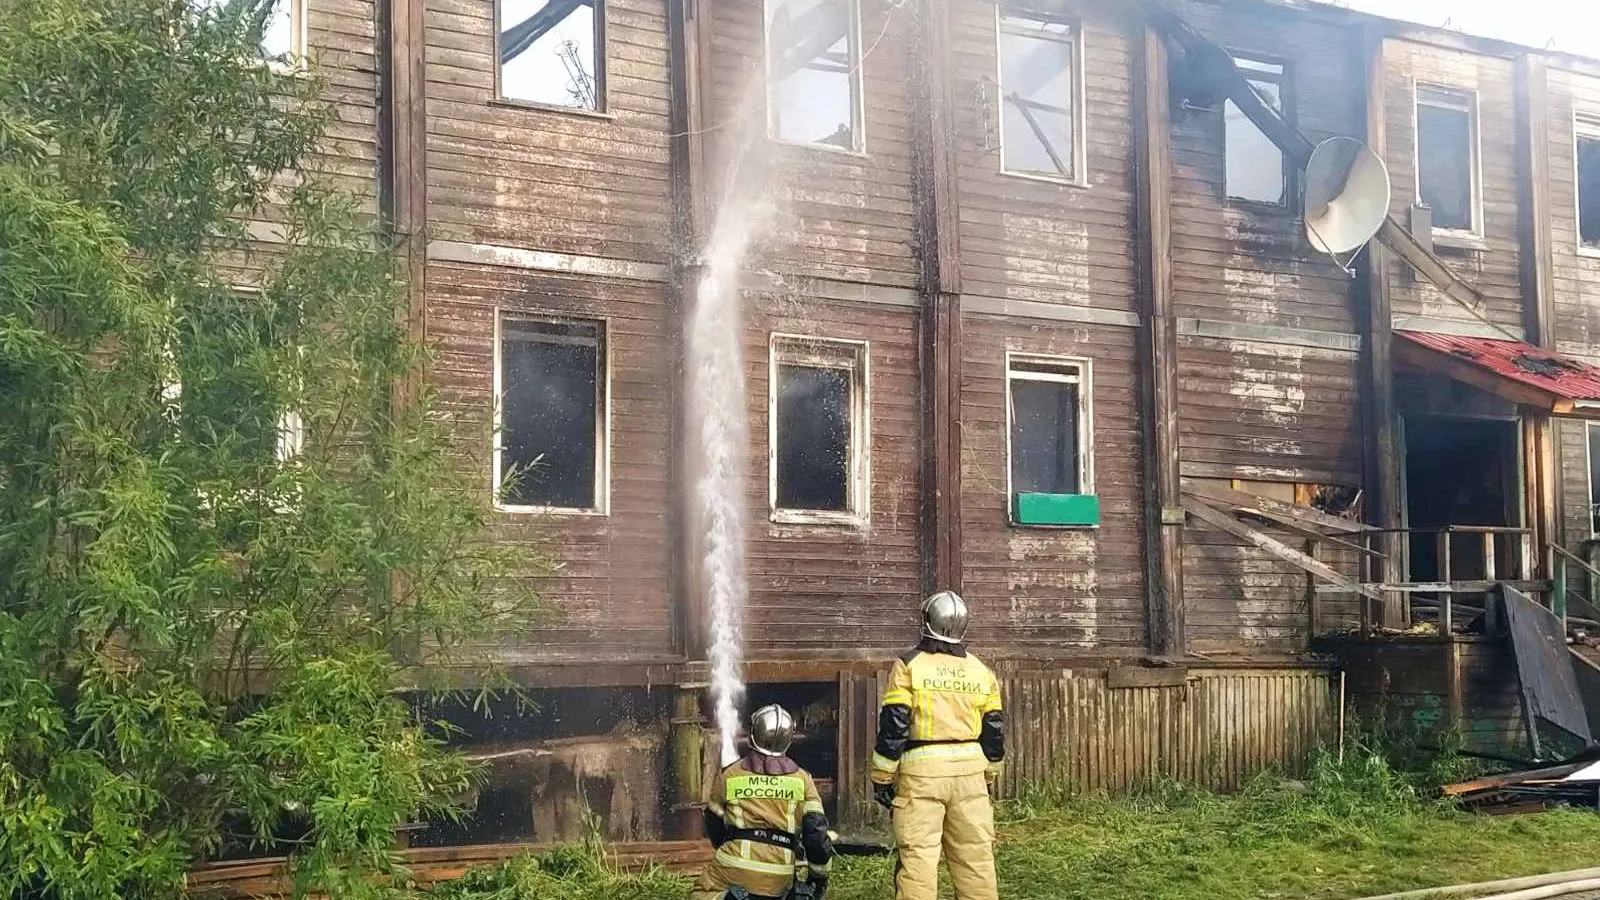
(521, 36)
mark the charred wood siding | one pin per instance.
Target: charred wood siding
(512, 175)
(1043, 590)
(843, 215)
(1266, 404)
(608, 593)
(848, 589)
(340, 40)
(1028, 239)
(1489, 263)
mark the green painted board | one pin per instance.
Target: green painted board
(1067, 510)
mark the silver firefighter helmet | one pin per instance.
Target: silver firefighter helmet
(944, 617)
(771, 730)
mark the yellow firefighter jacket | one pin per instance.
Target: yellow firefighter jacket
(760, 812)
(941, 716)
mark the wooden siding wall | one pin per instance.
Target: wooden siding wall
(832, 587)
(340, 36)
(842, 215)
(1073, 730)
(1047, 589)
(607, 589)
(1268, 403)
(1490, 265)
(1576, 284)
(510, 175)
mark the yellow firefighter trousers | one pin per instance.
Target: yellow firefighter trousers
(950, 813)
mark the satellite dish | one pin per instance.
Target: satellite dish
(1346, 197)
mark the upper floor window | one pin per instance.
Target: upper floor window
(552, 52)
(550, 447)
(814, 72)
(1049, 442)
(1588, 173)
(1254, 166)
(818, 430)
(1041, 109)
(1447, 157)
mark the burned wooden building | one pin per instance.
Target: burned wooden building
(1036, 322)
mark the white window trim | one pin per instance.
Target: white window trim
(1584, 125)
(602, 70)
(1085, 382)
(296, 61)
(859, 487)
(858, 87)
(1470, 100)
(602, 464)
(1080, 117)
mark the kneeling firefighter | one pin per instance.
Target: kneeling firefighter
(941, 739)
(765, 818)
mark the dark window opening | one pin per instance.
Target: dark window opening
(1037, 83)
(1445, 158)
(551, 52)
(551, 396)
(813, 449)
(1589, 190)
(1594, 479)
(1045, 429)
(1254, 169)
(813, 63)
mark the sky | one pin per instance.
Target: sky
(1571, 26)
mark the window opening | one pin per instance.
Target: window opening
(813, 71)
(818, 429)
(551, 52)
(1447, 157)
(552, 400)
(1039, 123)
(1254, 166)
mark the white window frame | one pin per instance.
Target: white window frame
(1585, 126)
(802, 350)
(602, 66)
(602, 450)
(1080, 116)
(858, 87)
(1084, 379)
(1467, 101)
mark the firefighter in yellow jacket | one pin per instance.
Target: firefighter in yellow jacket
(765, 818)
(941, 738)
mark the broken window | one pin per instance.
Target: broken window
(1594, 478)
(551, 386)
(1447, 165)
(551, 52)
(813, 71)
(1588, 152)
(1254, 166)
(818, 429)
(1047, 412)
(1039, 131)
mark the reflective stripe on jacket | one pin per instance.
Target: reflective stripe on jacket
(941, 715)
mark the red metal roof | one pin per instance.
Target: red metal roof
(1525, 364)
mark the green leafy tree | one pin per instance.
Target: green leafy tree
(224, 547)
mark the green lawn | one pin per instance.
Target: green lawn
(1352, 830)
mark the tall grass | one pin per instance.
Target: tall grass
(1354, 826)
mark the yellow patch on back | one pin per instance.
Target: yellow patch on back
(784, 788)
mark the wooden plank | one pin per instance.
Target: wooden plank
(1159, 345)
(1125, 677)
(938, 226)
(1315, 520)
(1220, 520)
(1371, 289)
(1288, 524)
